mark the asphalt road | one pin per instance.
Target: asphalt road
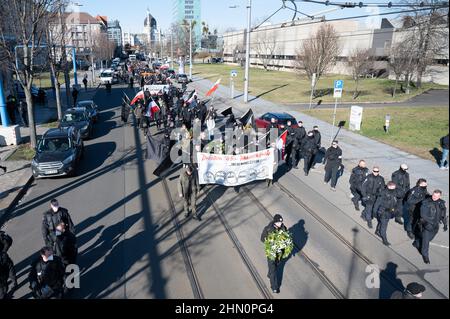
(134, 241)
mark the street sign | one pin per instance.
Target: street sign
(313, 80)
(338, 87)
(234, 73)
(355, 118)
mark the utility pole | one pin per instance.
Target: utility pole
(247, 51)
(190, 50)
(171, 49)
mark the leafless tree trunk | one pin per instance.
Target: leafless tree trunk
(24, 23)
(319, 53)
(265, 46)
(401, 61)
(360, 64)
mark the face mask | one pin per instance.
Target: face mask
(58, 233)
(55, 209)
(423, 187)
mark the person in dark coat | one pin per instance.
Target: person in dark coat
(371, 189)
(333, 162)
(414, 200)
(46, 276)
(75, 96)
(65, 246)
(401, 179)
(7, 272)
(318, 140)
(23, 112)
(300, 134)
(433, 212)
(275, 225)
(444, 160)
(291, 145)
(51, 219)
(125, 112)
(414, 290)
(357, 178)
(309, 149)
(385, 209)
(188, 190)
(11, 104)
(231, 122)
(5, 241)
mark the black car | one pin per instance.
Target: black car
(90, 107)
(79, 118)
(58, 153)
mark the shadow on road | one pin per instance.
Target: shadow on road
(437, 154)
(389, 281)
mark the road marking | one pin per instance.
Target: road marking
(437, 245)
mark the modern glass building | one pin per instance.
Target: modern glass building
(115, 32)
(189, 10)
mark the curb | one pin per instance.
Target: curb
(19, 195)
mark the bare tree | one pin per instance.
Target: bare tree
(318, 53)
(102, 47)
(401, 61)
(360, 64)
(265, 46)
(23, 25)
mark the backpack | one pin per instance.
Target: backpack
(5, 241)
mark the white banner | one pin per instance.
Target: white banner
(234, 170)
(355, 118)
(156, 89)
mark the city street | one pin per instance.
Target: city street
(134, 241)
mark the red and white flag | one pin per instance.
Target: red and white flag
(281, 143)
(191, 97)
(153, 108)
(139, 96)
(214, 88)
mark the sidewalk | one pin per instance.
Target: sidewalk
(19, 174)
(356, 147)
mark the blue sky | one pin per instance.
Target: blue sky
(216, 13)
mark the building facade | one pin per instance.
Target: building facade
(150, 29)
(189, 10)
(115, 32)
(283, 42)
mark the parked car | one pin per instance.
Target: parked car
(182, 78)
(216, 60)
(281, 119)
(79, 118)
(107, 76)
(90, 107)
(38, 94)
(58, 153)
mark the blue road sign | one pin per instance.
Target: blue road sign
(338, 84)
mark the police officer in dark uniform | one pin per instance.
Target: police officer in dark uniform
(414, 201)
(358, 176)
(385, 209)
(51, 219)
(309, 149)
(46, 276)
(371, 188)
(7, 272)
(432, 213)
(275, 225)
(332, 161)
(401, 179)
(300, 134)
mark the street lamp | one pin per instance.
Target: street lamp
(190, 49)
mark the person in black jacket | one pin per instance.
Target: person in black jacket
(291, 145)
(318, 140)
(414, 201)
(300, 134)
(401, 179)
(371, 188)
(432, 213)
(7, 272)
(332, 161)
(5, 241)
(51, 219)
(46, 276)
(358, 176)
(125, 112)
(275, 225)
(444, 159)
(309, 149)
(385, 209)
(65, 245)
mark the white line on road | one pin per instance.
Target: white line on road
(442, 246)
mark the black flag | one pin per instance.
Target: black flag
(164, 166)
(227, 111)
(248, 119)
(155, 150)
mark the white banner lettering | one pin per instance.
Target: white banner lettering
(234, 170)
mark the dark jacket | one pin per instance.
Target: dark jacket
(333, 157)
(432, 213)
(5, 242)
(401, 179)
(444, 142)
(188, 185)
(7, 270)
(309, 145)
(300, 135)
(416, 195)
(372, 187)
(49, 274)
(386, 204)
(49, 222)
(269, 229)
(358, 177)
(317, 138)
(291, 138)
(66, 248)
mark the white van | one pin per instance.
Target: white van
(107, 76)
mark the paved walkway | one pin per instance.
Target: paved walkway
(356, 147)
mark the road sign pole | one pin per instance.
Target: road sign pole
(232, 87)
(334, 119)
